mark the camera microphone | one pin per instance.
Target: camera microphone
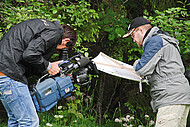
(82, 62)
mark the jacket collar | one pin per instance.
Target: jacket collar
(146, 33)
(154, 31)
(149, 34)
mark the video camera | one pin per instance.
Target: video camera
(80, 67)
(50, 89)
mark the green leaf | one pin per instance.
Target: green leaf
(111, 36)
(54, 11)
(109, 29)
(9, 26)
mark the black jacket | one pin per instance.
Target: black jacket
(27, 47)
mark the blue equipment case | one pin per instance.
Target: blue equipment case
(48, 92)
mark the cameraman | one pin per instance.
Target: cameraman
(24, 51)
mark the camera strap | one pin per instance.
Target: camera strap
(35, 94)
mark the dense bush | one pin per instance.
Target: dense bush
(100, 26)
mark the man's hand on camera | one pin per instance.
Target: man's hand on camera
(55, 68)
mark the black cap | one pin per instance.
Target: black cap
(138, 21)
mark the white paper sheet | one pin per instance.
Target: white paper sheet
(114, 67)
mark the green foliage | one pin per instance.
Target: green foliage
(175, 21)
(162, 4)
(78, 14)
(114, 25)
(131, 119)
(143, 119)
